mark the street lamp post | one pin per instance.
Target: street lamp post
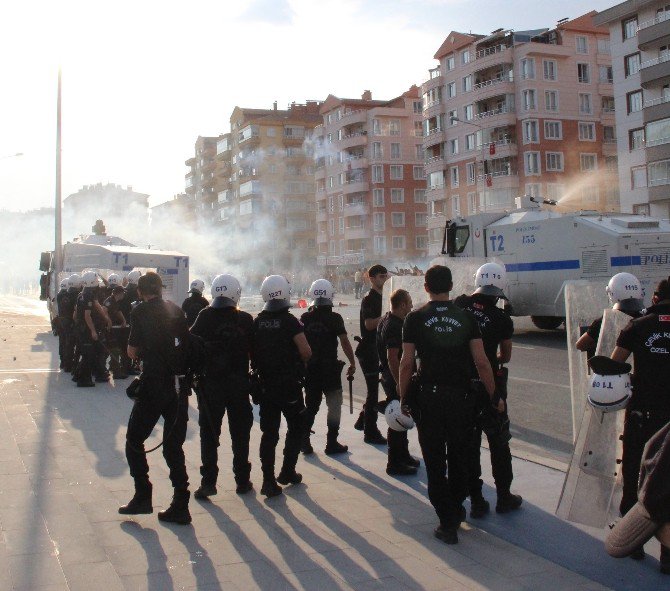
(481, 129)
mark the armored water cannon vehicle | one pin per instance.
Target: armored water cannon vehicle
(542, 249)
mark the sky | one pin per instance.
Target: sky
(142, 79)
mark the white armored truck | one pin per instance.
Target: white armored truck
(542, 249)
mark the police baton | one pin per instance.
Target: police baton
(350, 379)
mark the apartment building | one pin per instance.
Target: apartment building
(370, 181)
(640, 42)
(520, 112)
(106, 201)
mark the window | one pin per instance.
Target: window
(533, 189)
(532, 163)
(396, 172)
(607, 104)
(583, 73)
(609, 137)
(465, 57)
(657, 132)
(631, 64)
(636, 139)
(588, 162)
(638, 177)
(397, 195)
(658, 173)
(331, 182)
(467, 83)
(377, 152)
(629, 28)
(550, 69)
(551, 100)
(468, 112)
(398, 242)
(379, 223)
(453, 174)
(340, 225)
(587, 132)
(394, 127)
(421, 242)
(528, 98)
(611, 163)
(395, 152)
(455, 205)
(471, 141)
(420, 220)
(380, 244)
(418, 129)
(377, 173)
(331, 226)
(530, 133)
(589, 195)
(634, 101)
(604, 46)
(585, 104)
(471, 168)
(605, 74)
(555, 191)
(420, 196)
(419, 152)
(472, 202)
(527, 69)
(398, 219)
(418, 173)
(554, 161)
(453, 117)
(582, 44)
(451, 63)
(451, 89)
(453, 146)
(377, 197)
(418, 107)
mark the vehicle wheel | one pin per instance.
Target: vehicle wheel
(547, 322)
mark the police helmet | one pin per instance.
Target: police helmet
(491, 280)
(625, 292)
(74, 280)
(276, 293)
(226, 291)
(197, 286)
(114, 279)
(322, 293)
(396, 419)
(134, 275)
(64, 284)
(90, 279)
(610, 387)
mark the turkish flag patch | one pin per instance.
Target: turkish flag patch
(664, 318)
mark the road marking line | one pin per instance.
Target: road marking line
(515, 346)
(539, 382)
(6, 371)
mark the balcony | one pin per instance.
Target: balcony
(356, 209)
(434, 80)
(493, 113)
(435, 192)
(222, 148)
(355, 186)
(432, 108)
(482, 53)
(355, 116)
(434, 136)
(322, 215)
(434, 164)
(358, 138)
(654, 32)
(322, 238)
(355, 232)
(225, 196)
(655, 69)
(658, 108)
(191, 161)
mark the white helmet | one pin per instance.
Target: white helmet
(64, 283)
(625, 292)
(226, 291)
(197, 285)
(114, 279)
(276, 293)
(134, 275)
(74, 280)
(396, 419)
(610, 387)
(322, 293)
(90, 279)
(491, 280)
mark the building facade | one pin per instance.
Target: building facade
(640, 42)
(108, 200)
(520, 112)
(370, 182)
(201, 181)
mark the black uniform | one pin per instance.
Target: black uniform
(495, 326)
(276, 358)
(192, 306)
(66, 303)
(648, 338)
(224, 386)
(126, 307)
(117, 339)
(324, 371)
(366, 351)
(87, 346)
(154, 325)
(72, 348)
(389, 336)
(441, 333)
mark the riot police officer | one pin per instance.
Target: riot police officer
(118, 334)
(223, 384)
(72, 346)
(323, 377)
(127, 303)
(88, 312)
(497, 329)
(389, 349)
(65, 304)
(156, 325)
(279, 353)
(366, 351)
(648, 339)
(194, 302)
(445, 339)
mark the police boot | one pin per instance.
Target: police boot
(508, 502)
(244, 484)
(374, 437)
(359, 425)
(479, 506)
(306, 445)
(205, 491)
(178, 511)
(289, 476)
(140, 504)
(333, 446)
(270, 487)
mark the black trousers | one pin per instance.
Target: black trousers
(281, 399)
(87, 362)
(397, 440)
(369, 363)
(639, 427)
(64, 335)
(325, 380)
(160, 399)
(215, 397)
(501, 456)
(445, 432)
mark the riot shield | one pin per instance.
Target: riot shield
(592, 487)
(584, 302)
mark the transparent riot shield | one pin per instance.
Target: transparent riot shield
(592, 487)
(584, 302)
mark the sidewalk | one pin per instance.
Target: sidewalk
(348, 526)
